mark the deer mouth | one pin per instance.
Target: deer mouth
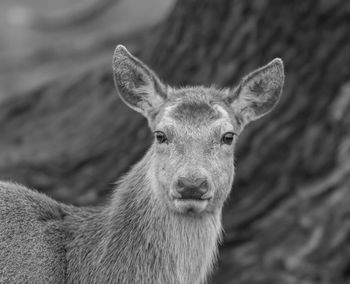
(204, 197)
(191, 205)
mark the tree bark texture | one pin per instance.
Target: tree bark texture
(288, 217)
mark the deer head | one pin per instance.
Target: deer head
(195, 130)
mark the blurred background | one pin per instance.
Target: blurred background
(41, 40)
(64, 131)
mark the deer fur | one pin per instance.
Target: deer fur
(141, 235)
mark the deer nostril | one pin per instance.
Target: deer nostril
(204, 186)
(180, 185)
(192, 188)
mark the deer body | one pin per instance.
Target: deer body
(163, 222)
(125, 242)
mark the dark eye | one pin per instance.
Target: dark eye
(160, 136)
(227, 138)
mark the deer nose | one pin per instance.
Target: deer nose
(192, 188)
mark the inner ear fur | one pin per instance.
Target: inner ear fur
(258, 92)
(137, 85)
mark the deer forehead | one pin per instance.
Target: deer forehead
(195, 120)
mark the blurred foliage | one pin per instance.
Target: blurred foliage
(43, 40)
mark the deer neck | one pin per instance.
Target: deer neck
(145, 243)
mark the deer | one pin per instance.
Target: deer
(162, 223)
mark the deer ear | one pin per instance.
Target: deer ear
(258, 92)
(136, 84)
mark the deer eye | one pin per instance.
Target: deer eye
(160, 136)
(227, 138)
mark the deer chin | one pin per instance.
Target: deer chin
(190, 206)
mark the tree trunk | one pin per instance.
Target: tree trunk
(287, 220)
